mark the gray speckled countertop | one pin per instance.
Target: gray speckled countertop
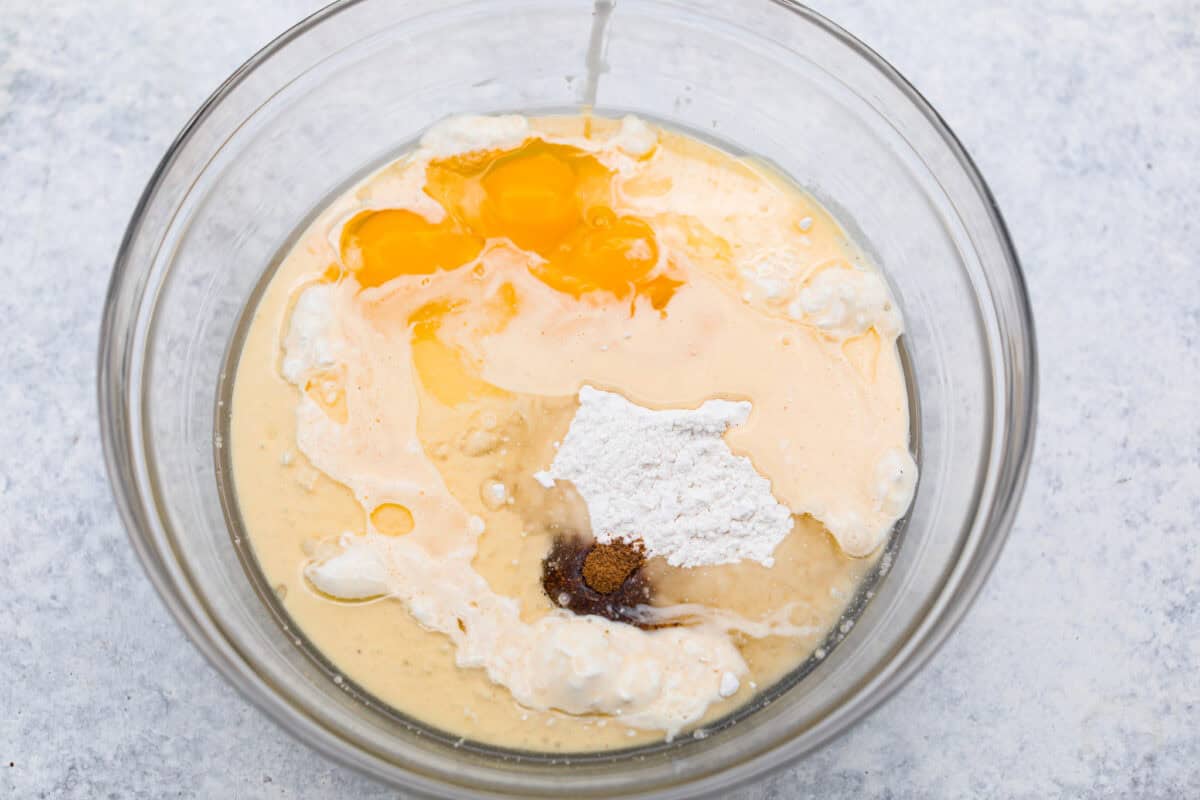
(1078, 671)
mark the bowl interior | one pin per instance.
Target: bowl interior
(348, 90)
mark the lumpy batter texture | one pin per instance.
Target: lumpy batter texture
(412, 460)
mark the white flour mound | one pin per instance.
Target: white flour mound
(669, 479)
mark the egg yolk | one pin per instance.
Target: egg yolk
(608, 253)
(549, 199)
(532, 200)
(554, 200)
(380, 245)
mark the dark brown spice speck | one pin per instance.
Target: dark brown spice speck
(574, 566)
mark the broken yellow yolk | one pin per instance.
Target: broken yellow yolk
(607, 253)
(554, 200)
(380, 245)
(551, 200)
(532, 200)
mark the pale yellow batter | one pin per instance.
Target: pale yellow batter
(452, 383)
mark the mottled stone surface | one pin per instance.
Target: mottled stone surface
(1075, 675)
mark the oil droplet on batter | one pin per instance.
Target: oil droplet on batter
(392, 519)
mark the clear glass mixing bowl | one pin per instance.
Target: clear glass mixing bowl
(347, 89)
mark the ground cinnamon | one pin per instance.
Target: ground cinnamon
(607, 566)
(570, 574)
